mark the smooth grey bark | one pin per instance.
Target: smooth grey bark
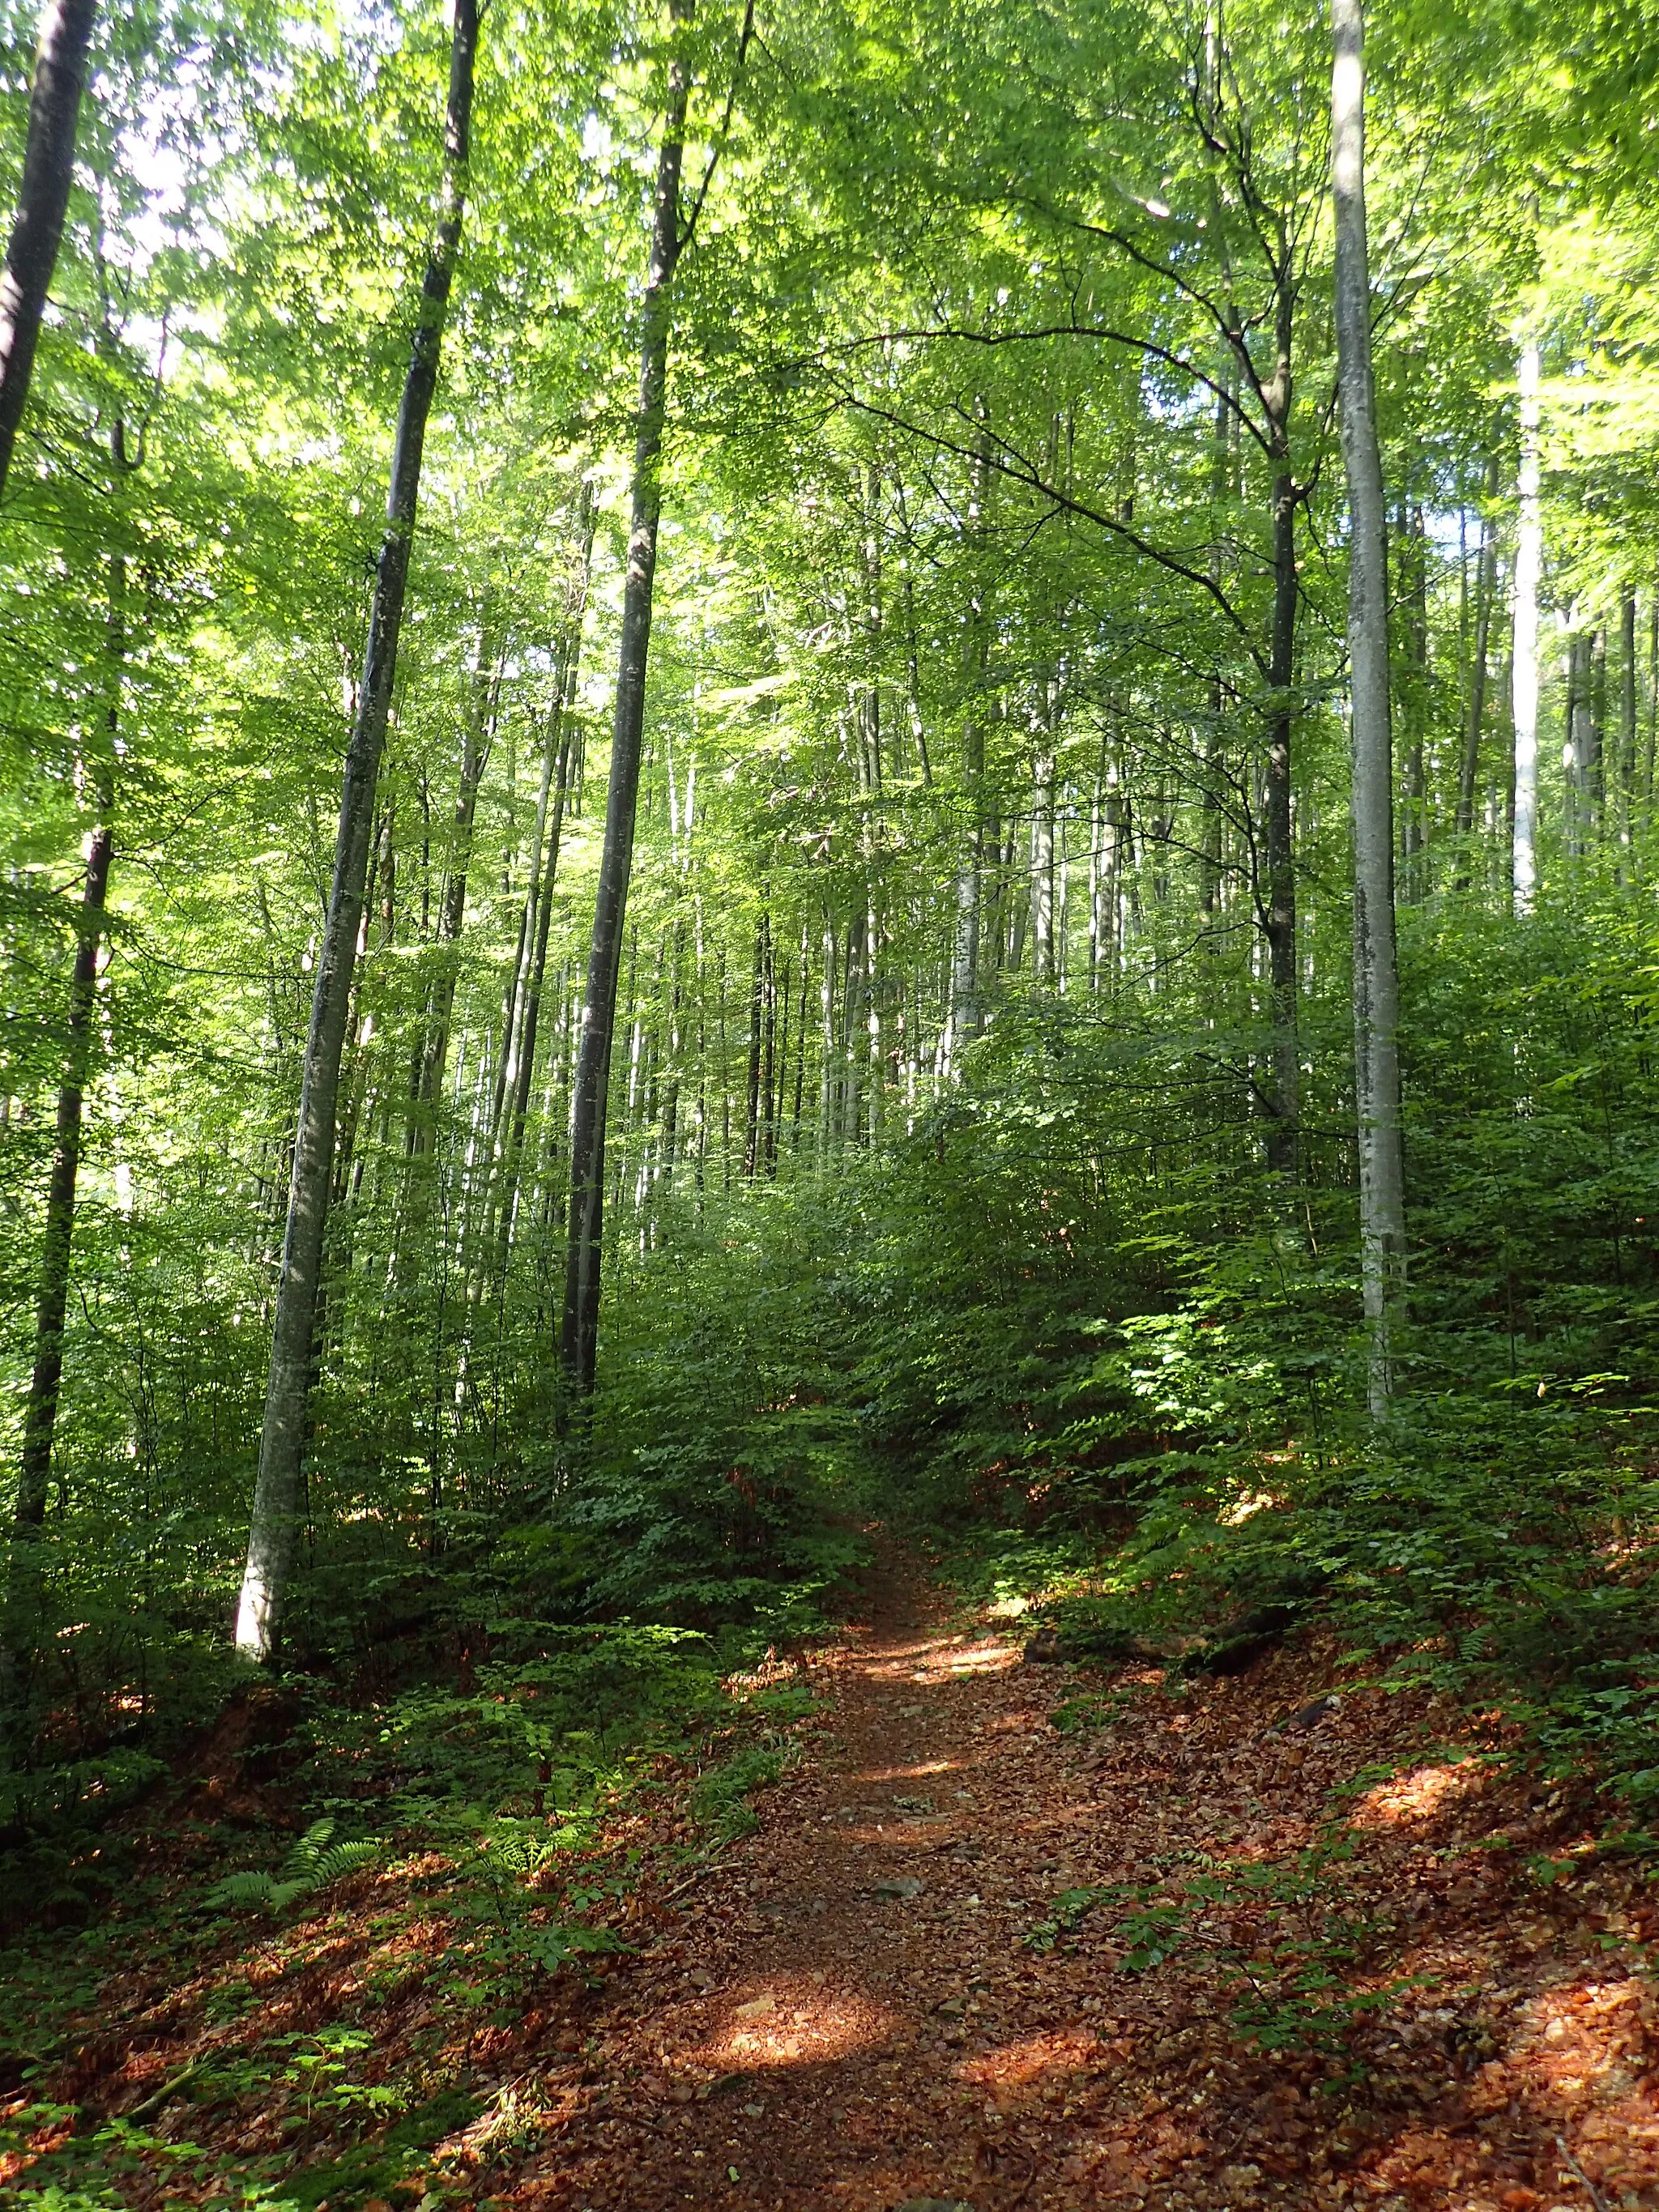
(1282, 1138)
(1529, 564)
(60, 70)
(579, 1325)
(1485, 591)
(1376, 982)
(273, 1522)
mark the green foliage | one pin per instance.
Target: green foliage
(313, 1863)
(719, 1799)
(1298, 1968)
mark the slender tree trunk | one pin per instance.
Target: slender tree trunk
(1282, 1128)
(579, 1329)
(1376, 984)
(277, 1488)
(434, 1050)
(1485, 591)
(1414, 693)
(46, 1380)
(60, 70)
(968, 926)
(757, 994)
(1627, 718)
(1529, 564)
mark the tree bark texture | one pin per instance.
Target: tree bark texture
(60, 70)
(273, 1521)
(1375, 983)
(579, 1328)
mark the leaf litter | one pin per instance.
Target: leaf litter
(1259, 1941)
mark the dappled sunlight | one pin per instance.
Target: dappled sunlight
(909, 1773)
(976, 1659)
(1426, 1791)
(792, 2023)
(1030, 2061)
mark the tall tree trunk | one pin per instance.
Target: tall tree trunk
(1529, 564)
(60, 70)
(1282, 1128)
(45, 1379)
(1375, 983)
(1414, 590)
(1485, 591)
(476, 740)
(579, 1328)
(1627, 718)
(756, 996)
(968, 929)
(276, 1487)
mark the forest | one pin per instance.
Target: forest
(821, 824)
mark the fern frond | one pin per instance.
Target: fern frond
(301, 1860)
(241, 1890)
(342, 1859)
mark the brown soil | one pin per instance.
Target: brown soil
(809, 2036)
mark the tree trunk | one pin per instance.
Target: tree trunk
(1375, 985)
(579, 1329)
(1485, 591)
(1627, 718)
(1528, 563)
(968, 928)
(41, 1411)
(476, 740)
(271, 1530)
(1282, 1145)
(60, 70)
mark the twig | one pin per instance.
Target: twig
(1577, 2171)
(158, 2097)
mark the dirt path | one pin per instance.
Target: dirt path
(847, 2013)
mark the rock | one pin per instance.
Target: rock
(1310, 1715)
(901, 1885)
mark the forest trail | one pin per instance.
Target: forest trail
(850, 2012)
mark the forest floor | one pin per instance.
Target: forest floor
(1013, 1935)
(878, 2002)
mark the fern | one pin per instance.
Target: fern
(313, 1863)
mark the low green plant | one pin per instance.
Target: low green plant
(1065, 1915)
(314, 1863)
(719, 1801)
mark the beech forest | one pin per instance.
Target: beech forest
(829, 1106)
